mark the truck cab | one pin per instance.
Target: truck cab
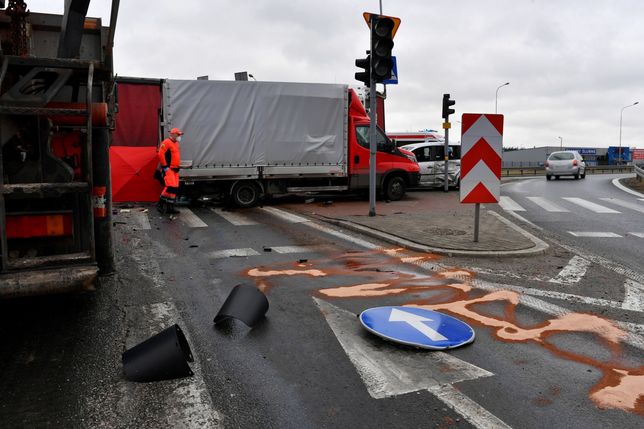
(396, 169)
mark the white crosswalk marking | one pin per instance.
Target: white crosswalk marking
(547, 205)
(284, 215)
(594, 234)
(236, 219)
(589, 205)
(296, 249)
(573, 272)
(509, 204)
(636, 234)
(228, 253)
(140, 218)
(189, 218)
(628, 205)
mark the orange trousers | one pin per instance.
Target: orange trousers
(171, 179)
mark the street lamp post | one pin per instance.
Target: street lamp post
(560, 142)
(619, 151)
(496, 99)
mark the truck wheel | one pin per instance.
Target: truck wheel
(245, 194)
(395, 188)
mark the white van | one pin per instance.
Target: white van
(431, 159)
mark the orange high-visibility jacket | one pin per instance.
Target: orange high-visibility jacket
(169, 153)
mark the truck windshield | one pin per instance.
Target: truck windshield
(362, 135)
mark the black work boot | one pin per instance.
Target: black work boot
(169, 208)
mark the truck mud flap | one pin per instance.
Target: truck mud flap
(44, 282)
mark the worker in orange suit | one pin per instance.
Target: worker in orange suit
(169, 158)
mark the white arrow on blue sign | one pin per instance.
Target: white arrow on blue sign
(417, 327)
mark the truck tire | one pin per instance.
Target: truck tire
(245, 194)
(395, 188)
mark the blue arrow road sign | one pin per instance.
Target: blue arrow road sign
(417, 327)
(393, 80)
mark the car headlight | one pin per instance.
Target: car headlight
(412, 157)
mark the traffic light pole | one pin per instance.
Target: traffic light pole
(372, 148)
(446, 126)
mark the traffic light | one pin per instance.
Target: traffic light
(364, 76)
(382, 42)
(446, 110)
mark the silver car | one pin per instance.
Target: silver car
(431, 160)
(565, 163)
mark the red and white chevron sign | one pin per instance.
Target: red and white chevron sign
(481, 148)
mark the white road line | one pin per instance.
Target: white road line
(509, 204)
(189, 218)
(573, 272)
(236, 219)
(475, 414)
(605, 263)
(284, 215)
(565, 296)
(295, 249)
(388, 371)
(228, 253)
(594, 234)
(547, 205)
(628, 205)
(633, 296)
(141, 219)
(590, 205)
(636, 234)
(641, 199)
(633, 337)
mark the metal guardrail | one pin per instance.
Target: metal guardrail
(639, 172)
(541, 171)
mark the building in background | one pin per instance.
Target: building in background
(593, 156)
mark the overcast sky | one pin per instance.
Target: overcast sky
(572, 65)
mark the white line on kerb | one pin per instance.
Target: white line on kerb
(636, 234)
(625, 189)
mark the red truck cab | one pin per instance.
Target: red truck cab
(396, 170)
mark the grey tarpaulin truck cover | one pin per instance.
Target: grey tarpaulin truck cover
(234, 128)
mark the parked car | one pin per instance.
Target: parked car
(431, 159)
(565, 163)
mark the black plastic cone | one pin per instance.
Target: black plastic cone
(246, 303)
(161, 357)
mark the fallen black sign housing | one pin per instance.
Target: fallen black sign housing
(246, 303)
(162, 357)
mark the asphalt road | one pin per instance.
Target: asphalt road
(617, 217)
(535, 362)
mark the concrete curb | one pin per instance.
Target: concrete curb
(539, 245)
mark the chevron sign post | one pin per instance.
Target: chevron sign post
(481, 148)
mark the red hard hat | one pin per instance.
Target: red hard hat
(176, 131)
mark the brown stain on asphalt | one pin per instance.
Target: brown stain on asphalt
(621, 387)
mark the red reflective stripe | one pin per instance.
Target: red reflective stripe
(98, 198)
(32, 226)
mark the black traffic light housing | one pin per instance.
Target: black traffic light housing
(364, 76)
(446, 110)
(382, 42)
